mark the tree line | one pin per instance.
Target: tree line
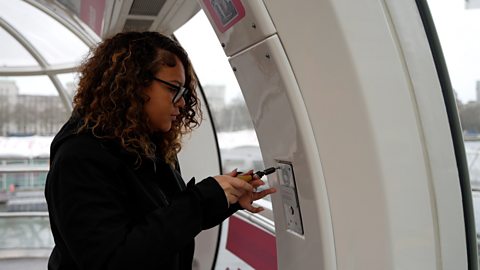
(31, 115)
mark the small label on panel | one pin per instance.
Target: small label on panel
(225, 13)
(288, 189)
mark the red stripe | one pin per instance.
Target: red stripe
(251, 244)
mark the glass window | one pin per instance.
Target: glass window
(31, 113)
(224, 97)
(458, 29)
(12, 53)
(54, 42)
(30, 85)
(235, 132)
(69, 82)
(458, 26)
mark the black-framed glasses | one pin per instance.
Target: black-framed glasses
(180, 90)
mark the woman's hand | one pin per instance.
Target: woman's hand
(238, 190)
(249, 197)
(233, 187)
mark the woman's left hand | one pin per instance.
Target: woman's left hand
(248, 198)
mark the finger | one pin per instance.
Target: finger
(233, 173)
(254, 209)
(263, 193)
(256, 183)
(240, 184)
(249, 172)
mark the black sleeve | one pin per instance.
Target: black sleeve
(213, 218)
(87, 207)
(219, 219)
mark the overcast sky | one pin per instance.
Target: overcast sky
(459, 32)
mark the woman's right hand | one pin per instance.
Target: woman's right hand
(233, 187)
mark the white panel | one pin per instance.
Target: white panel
(369, 133)
(253, 27)
(284, 133)
(436, 129)
(288, 192)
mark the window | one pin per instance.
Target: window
(39, 53)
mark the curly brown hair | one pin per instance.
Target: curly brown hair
(110, 98)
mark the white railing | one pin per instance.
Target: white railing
(29, 181)
(26, 233)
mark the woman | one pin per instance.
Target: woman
(115, 197)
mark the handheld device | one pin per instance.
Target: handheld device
(260, 174)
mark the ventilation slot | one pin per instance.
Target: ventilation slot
(137, 25)
(146, 7)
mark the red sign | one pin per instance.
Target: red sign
(225, 13)
(252, 244)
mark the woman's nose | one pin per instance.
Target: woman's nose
(181, 102)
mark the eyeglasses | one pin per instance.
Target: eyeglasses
(180, 90)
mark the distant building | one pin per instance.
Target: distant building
(478, 91)
(469, 4)
(28, 114)
(8, 100)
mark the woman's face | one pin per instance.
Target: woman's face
(160, 109)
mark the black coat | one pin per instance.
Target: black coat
(104, 214)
